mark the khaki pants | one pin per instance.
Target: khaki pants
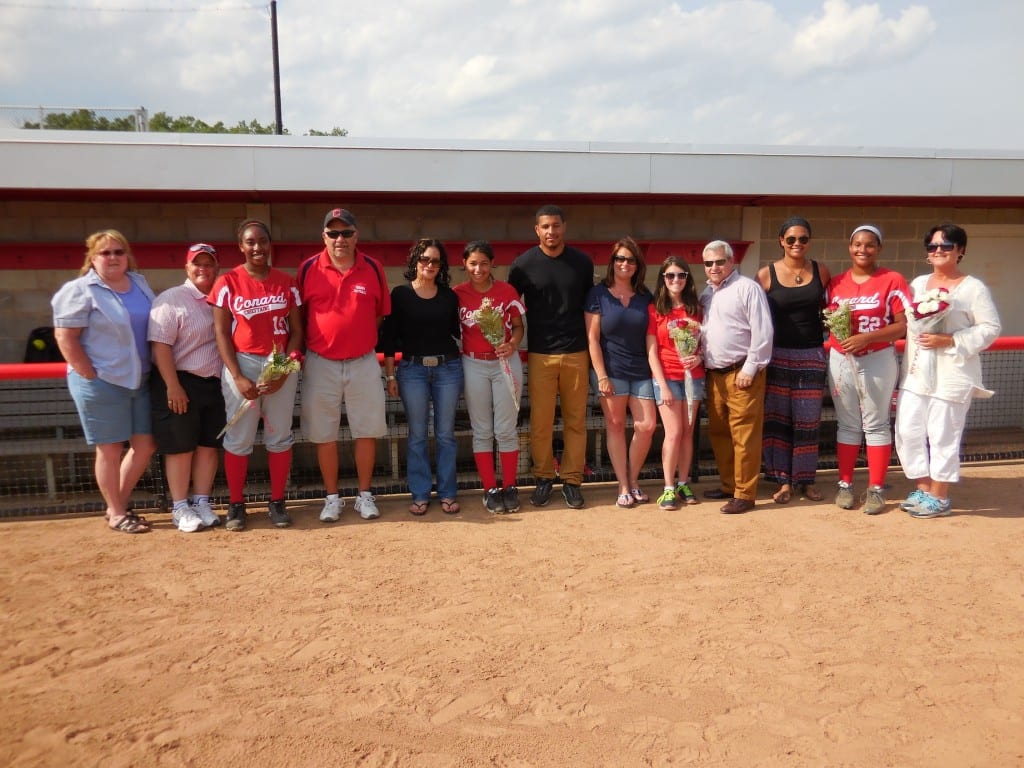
(735, 420)
(567, 377)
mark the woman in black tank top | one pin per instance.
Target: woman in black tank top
(796, 375)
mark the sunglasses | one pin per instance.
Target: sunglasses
(334, 234)
(624, 259)
(108, 253)
(944, 247)
(428, 262)
(202, 248)
(715, 263)
(803, 240)
(676, 275)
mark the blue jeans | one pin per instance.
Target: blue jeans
(419, 387)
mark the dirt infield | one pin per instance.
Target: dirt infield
(791, 636)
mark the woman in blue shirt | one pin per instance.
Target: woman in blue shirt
(101, 319)
(616, 316)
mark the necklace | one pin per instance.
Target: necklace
(798, 276)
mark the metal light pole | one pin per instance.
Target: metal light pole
(278, 129)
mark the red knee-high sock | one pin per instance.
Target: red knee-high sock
(235, 468)
(280, 464)
(846, 455)
(509, 467)
(485, 468)
(878, 463)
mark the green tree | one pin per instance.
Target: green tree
(83, 120)
(335, 131)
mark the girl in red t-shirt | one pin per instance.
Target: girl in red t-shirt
(493, 408)
(255, 310)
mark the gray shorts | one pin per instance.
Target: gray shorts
(326, 384)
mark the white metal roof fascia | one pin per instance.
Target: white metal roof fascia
(131, 161)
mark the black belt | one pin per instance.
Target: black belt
(429, 361)
(727, 369)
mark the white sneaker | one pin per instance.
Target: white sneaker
(206, 514)
(186, 520)
(332, 510)
(366, 506)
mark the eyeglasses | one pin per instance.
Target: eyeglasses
(334, 234)
(803, 240)
(715, 263)
(676, 275)
(428, 262)
(108, 253)
(624, 259)
(944, 247)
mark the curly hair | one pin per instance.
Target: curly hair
(92, 246)
(417, 250)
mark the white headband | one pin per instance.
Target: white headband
(867, 228)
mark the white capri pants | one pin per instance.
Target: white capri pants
(868, 419)
(928, 432)
(492, 412)
(275, 410)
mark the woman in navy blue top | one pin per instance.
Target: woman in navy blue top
(616, 316)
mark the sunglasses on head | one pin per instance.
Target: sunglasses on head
(944, 247)
(715, 263)
(203, 248)
(334, 234)
(803, 240)
(676, 275)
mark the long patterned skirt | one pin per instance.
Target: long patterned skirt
(792, 415)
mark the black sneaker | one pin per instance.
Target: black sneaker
(278, 516)
(573, 497)
(236, 516)
(511, 499)
(493, 502)
(542, 493)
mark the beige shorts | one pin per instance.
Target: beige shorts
(326, 384)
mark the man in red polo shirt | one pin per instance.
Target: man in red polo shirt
(345, 297)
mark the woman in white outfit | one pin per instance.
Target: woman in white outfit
(934, 400)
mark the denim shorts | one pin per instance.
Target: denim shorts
(679, 389)
(109, 413)
(642, 389)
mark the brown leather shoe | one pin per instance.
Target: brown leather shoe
(716, 493)
(737, 506)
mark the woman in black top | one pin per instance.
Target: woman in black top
(423, 326)
(795, 383)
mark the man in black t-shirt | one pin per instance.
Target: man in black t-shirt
(553, 280)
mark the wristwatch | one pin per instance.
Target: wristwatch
(389, 378)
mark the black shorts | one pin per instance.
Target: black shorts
(199, 425)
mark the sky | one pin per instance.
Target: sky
(932, 74)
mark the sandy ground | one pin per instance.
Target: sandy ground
(791, 636)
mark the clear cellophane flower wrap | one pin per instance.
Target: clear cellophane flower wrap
(492, 325)
(926, 315)
(276, 366)
(685, 335)
(839, 320)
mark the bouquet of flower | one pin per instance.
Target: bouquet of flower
(926, 316)
(839, 320)
(685, 336)
(492, 325)
(277, 366)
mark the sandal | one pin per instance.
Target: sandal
(450, 506)
(625, 500)
(812, 493)
(418, 508)
(639, 496)
(782, 496)
(130, 524)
